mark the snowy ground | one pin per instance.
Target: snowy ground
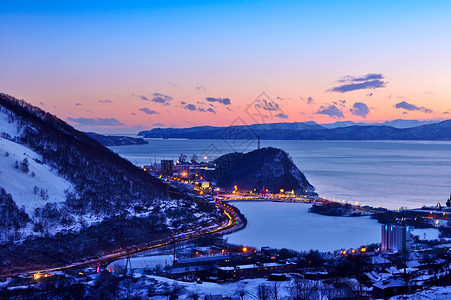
(426, 233)
(20, 185)
(436, 293)
(249, 286)
(142, 262)
(290, 225)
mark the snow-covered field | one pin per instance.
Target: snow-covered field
(146, 262)
(290, 225)
(433, 293)
(248, 287)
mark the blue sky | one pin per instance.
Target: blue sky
(58, 54)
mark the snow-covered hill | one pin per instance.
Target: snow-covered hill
(65, 197)
(33, 187)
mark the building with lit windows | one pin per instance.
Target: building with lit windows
(167, 167)
(395, 238)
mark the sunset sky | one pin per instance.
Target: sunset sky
(120, 67)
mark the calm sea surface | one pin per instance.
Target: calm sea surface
(390, 174)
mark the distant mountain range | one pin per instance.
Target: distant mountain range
(111, 140)
(390, 130)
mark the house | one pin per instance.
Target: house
(219, 260)
(378, 261)
(253, 270)
(196, 271)
(318, 273)
(369, 277)
(391, 287)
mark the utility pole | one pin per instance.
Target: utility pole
(174, 250)
(128, 265)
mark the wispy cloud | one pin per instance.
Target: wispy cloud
(189, 106)
(148, 111)
(225, 101)
(281, 116)
(331, 111)
(193, 107)
(78, 104)
(156, 97)
(96, 121)
(158, 124)
(309, 100)
(105, 101)
(267, 105)
(413, 107)
(352, 83)
(369, 76)
(340, 103)
(161, 98)
(360, 109)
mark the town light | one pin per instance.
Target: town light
(244, 249)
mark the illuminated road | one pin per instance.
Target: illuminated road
(422, 213)
(233, 222)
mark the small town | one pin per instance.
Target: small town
(199, 265)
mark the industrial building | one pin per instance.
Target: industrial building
(395, 238)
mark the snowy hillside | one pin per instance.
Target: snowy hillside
(33, 187)
(65, 197)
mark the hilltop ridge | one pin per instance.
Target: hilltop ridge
(268, 168)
